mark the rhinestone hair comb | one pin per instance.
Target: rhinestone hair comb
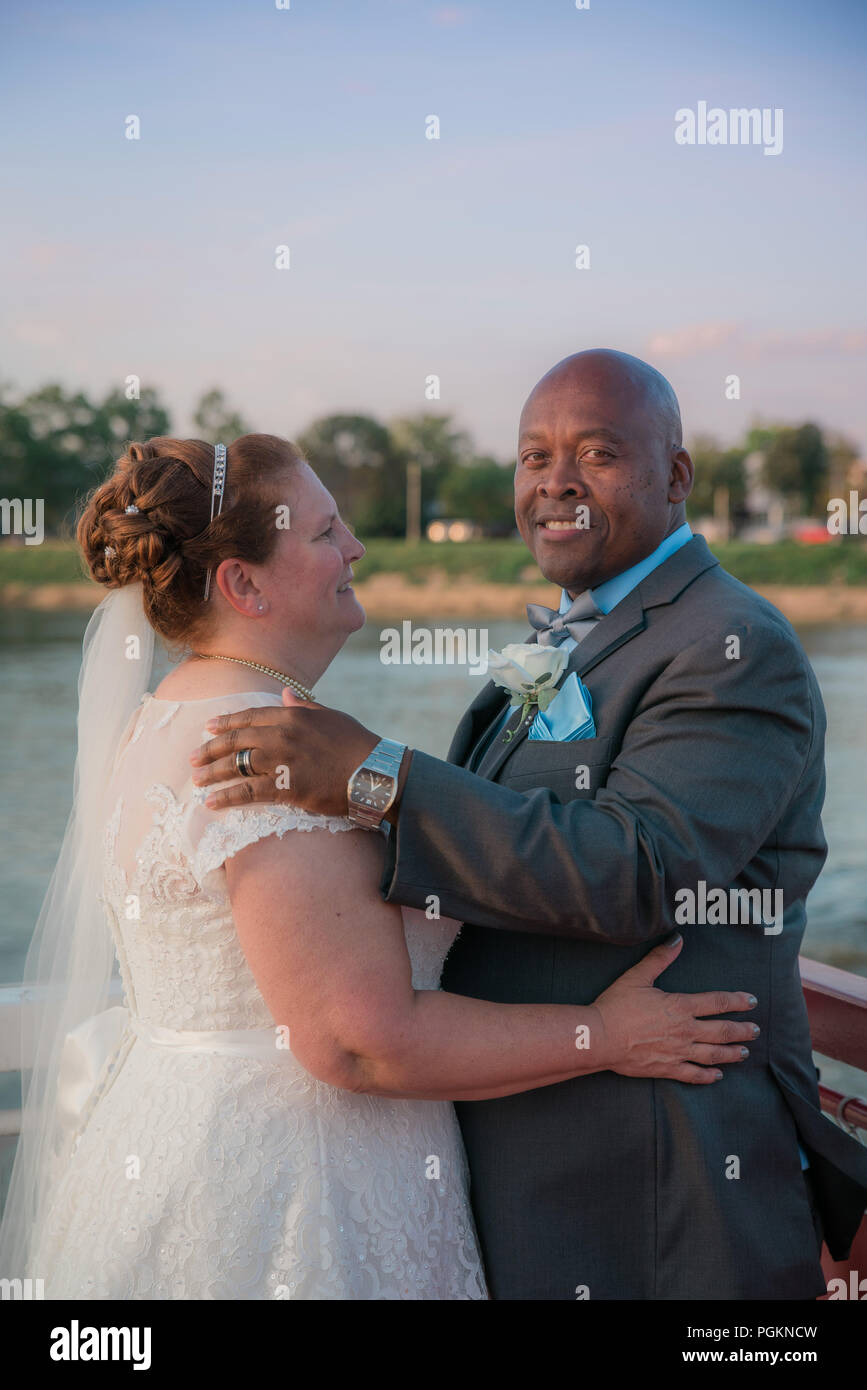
(218, 487)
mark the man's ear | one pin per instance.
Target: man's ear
(682, 475)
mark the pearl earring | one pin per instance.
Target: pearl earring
(261, 608)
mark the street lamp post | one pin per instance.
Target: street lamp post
(413, 501)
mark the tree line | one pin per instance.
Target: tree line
(392, 478)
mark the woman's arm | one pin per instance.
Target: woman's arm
(331, 961)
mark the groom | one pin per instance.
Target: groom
(566, 857)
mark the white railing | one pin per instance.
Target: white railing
(15, 1003)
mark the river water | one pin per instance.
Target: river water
(419, 705)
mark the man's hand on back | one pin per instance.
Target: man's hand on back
(303, 755)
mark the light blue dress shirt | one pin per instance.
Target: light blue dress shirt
(606, 596)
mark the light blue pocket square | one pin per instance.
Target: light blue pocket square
(569, 715)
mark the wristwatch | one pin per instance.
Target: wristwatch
(373, 786)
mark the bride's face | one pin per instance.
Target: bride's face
(306, 583)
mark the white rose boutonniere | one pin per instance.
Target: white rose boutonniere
(530, 673)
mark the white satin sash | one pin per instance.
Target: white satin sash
(230, 1042)
(90, 1048)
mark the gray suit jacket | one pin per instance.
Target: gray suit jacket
(706, 766)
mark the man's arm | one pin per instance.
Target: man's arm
(707, 767)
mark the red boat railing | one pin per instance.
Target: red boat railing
(837, 1009)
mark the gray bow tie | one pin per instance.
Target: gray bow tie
(553, 628)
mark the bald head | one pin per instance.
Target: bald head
(602, 476)
(620, 373)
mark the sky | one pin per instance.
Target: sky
(409, 257)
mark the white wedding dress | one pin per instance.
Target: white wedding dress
(209, 1164)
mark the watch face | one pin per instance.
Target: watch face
(372, 789)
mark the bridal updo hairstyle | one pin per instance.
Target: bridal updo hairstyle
(170, 542)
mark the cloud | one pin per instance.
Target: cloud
(695, 338)
(36, 333)
(45, 255)
(357, 88)
(450, 15)
(816, 342)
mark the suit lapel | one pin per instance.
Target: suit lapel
(475, 722)
(620, 625)
(497, 751)
(663, 585)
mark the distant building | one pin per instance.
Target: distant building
(458, 530)
(765, 509)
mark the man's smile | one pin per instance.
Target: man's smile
(561, 528)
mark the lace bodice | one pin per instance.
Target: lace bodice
(165, 883)
(209, 1164)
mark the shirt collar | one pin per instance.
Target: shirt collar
(609, 594)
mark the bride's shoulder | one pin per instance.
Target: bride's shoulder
(165, 720)
(196, 682)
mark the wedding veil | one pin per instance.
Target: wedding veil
(71, 958)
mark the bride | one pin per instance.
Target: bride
(268, 1117)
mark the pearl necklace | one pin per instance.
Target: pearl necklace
(298, 688)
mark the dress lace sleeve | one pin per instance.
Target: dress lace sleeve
(217, 835)
(207, 838)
